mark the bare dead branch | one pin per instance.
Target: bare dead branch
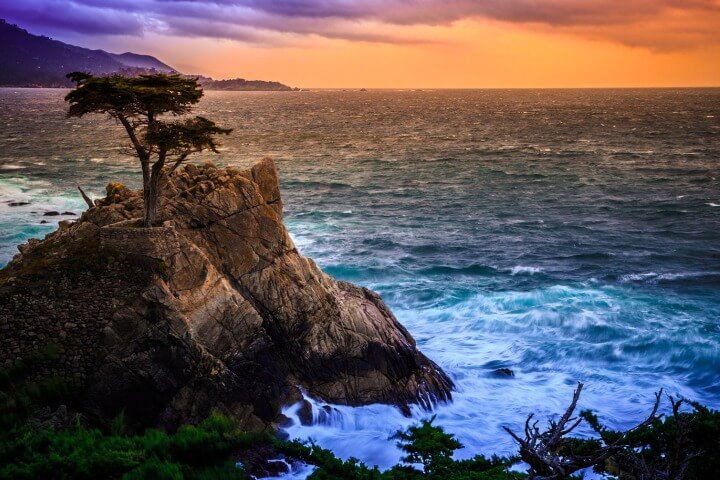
(556, 430)
(547, 452)
(87, 199)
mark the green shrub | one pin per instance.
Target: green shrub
(155, 469)
(684, 445)
(424, 444)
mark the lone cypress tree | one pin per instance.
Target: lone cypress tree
(142, 105)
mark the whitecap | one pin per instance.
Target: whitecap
(653, 277)
(11, 166)
(713, 204)
(636, 277)
(523, 269)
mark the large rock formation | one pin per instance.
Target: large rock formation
(215, 309)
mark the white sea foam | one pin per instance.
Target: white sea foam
(654, 277)
(520, 269)
(550, 337)
(711, 204)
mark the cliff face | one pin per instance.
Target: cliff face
(215, 309)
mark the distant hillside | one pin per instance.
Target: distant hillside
(29, 60)
(142, 61)
(244, 85)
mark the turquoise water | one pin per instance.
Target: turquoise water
(570, 235)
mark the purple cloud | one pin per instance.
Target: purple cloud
(267, 21)
(56, 16)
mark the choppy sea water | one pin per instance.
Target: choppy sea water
(569, 235)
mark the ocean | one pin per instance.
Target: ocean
(568, 235)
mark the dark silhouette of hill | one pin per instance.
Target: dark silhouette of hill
(37, 61)
(29, 60)
(142, 61)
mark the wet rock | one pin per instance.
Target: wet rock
(51, 213)
(73, 214)
(503, 372)
(305, 413)
(283, 421)
(18, 204)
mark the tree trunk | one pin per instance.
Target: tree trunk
(151, 192)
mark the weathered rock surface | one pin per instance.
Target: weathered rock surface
(215, 309)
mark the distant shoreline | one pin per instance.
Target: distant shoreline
(26, 87)
(398, 89)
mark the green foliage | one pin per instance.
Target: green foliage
(424, 444)
(201, 452)
(20, 392)
(155, 469)
(145, 95)
(193, 452)
(139, 104)
(684, 445)
(427, 444)
(194, 134)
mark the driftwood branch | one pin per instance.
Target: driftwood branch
(87, 199)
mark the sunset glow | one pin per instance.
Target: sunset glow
(401, 44)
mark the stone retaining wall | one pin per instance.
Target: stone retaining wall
(159, 243)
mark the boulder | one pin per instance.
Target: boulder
(215, 309)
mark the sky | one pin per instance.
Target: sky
(402, 43)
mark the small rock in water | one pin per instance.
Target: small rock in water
(18, 204)
(70, 213)
(51, 213)
(504, 372)
(43, 221)
(305, 413)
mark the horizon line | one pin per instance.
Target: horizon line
(360, 88)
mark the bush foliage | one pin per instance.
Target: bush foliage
(194, 452)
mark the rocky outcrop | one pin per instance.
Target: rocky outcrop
(214, 309)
